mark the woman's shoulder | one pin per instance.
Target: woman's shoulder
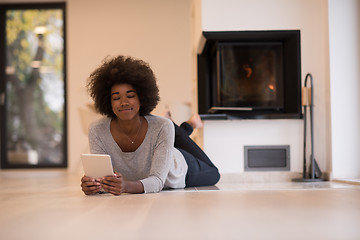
(100, 123)
(156, 122)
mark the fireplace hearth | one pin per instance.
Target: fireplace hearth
(250, 74)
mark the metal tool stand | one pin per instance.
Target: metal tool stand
(308, 101)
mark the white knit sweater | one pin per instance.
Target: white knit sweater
(156, 163)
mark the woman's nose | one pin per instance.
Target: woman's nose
(124, 102)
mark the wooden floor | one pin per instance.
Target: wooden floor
(50, 205)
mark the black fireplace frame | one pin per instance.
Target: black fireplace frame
(207, 74)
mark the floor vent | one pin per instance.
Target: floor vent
(267, 158)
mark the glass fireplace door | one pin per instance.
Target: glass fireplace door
(33, 116)
(250, 75)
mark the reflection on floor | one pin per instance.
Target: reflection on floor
(50, 205)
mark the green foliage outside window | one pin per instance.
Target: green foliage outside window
(35, 84)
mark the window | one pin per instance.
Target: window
(33, 84)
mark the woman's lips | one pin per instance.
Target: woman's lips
(125, 110)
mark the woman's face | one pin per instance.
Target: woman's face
(125, 102)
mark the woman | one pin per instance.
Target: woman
(148, 152)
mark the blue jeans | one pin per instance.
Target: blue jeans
(201, 171)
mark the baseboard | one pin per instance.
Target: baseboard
(348, 181)
(259, 177)
(264, 177)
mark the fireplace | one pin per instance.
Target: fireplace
(250, 74)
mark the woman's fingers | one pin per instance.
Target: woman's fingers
(112, 184)
(89, 185)
(91, 190)
(112, 189)
(109, 180)
(86, 179)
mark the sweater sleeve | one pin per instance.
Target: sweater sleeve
(161, 159)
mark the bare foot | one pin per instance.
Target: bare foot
(195, 121)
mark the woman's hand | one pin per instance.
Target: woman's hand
(89, 185)
(113, 184)
(117, 185)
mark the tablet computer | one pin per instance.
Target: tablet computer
(97, 165)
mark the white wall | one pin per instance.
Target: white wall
(224, 140)
(344, 32)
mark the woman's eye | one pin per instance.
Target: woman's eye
(116, 98)
(131, 96)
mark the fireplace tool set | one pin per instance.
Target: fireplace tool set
(315, 173)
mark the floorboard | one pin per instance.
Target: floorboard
(50, 205)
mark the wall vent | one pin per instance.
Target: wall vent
(267, 158)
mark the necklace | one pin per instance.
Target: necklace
(132, 141)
